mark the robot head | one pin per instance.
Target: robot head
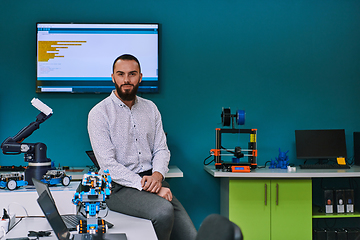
(92, 180)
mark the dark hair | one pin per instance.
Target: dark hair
(127, 57)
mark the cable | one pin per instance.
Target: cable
(350, 160)
(8, 208)
(227, 150)
(39, 234)
(328, 225)
(264, 165)
(107, 212)
(207, 159)
(4, 232)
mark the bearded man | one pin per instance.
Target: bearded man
(127, 137)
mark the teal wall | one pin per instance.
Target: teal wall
(289, 64)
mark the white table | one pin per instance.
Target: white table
(22, 201)
(354, 171)
(76, 174)
(134, 228)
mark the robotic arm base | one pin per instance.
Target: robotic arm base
(36, 172)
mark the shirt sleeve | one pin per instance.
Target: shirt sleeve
(105, 153)
(161, 153)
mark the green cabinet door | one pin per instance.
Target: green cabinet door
(249, 207)
(291, 209)
(276, 209)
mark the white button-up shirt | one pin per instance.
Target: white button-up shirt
(128, 141)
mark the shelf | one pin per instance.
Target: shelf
(317, 214)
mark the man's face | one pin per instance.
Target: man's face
(127, 78)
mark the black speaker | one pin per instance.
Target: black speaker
(342, 234)
(331, 234)
(357, 148)
(353, 233)
(319, 234)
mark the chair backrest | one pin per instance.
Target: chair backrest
(217, 227)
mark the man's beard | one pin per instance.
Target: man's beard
(127, 95)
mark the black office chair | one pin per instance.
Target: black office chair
(217, 227)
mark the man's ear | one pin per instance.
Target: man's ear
(112, 78)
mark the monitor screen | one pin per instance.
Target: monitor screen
(78, 58)
(320, 144)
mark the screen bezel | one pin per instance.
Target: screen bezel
(141, 90)
(305, 141)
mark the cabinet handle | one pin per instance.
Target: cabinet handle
(265, 194)
(277, 194)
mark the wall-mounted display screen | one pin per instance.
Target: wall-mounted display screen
(78, 58)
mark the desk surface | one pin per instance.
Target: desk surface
(25, 197)
(354, 171)
(77, 174)
(135, 228)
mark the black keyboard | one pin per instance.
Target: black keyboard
(324, 166)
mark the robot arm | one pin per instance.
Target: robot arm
(13, 145)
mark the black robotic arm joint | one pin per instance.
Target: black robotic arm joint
(35, 153)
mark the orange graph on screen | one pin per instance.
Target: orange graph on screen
(49, 49)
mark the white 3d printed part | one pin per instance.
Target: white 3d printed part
(41, 106)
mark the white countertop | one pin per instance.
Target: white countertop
(77, 172)
(354, 171)
(135, 228)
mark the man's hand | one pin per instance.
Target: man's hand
(152, 183)
(165, 193)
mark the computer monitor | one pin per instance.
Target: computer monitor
(78, 58)
(320, 144)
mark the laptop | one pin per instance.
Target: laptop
(58, 225)
(71, 220)
(91, 155)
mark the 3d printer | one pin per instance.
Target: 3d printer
(228, 119)
(35, 153)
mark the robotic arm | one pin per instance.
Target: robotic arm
(35, 153)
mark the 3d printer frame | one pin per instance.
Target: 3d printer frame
(236, 167)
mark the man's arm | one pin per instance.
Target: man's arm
(152, 183)
(165, 193)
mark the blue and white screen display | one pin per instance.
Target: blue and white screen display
(78, 58)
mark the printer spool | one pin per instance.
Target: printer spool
(226, 117)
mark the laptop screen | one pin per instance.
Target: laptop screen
(41, 187)
(91, 155)
(52, 215)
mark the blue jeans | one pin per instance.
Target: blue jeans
(170, 219)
